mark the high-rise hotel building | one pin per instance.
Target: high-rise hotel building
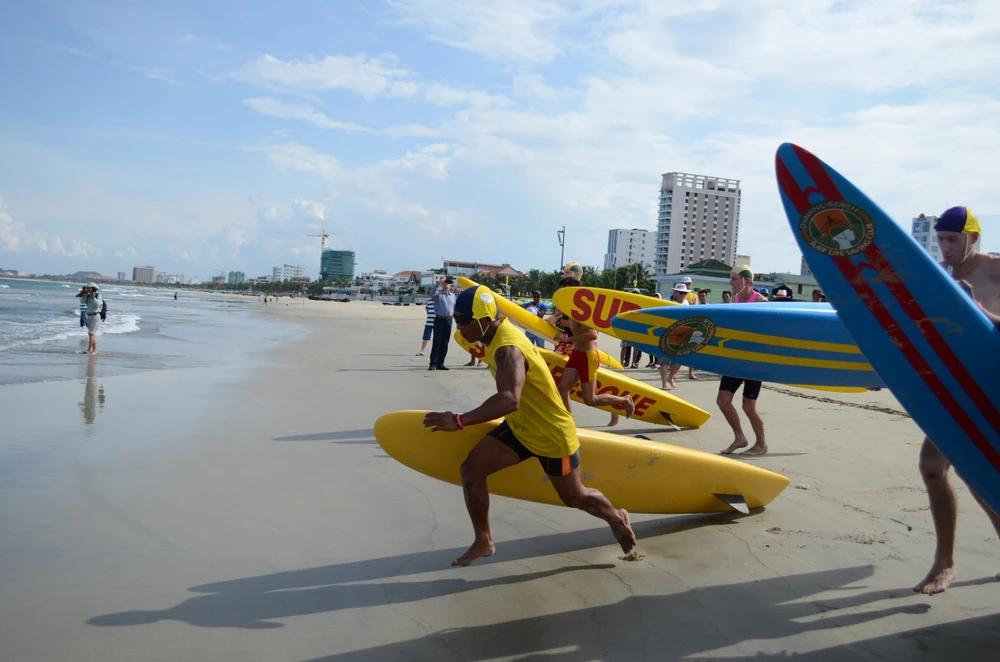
(699, 219)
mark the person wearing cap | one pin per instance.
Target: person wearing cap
(782, 293)
(444, 308)
(691, 297)
(536, 307)
(957, 234)
(536, 424)
(573, 270)
(90, 296)
(668, 382)
(741, 284)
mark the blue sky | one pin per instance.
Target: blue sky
(200, 137)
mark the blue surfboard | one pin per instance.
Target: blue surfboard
(930, 343)
(788, 342)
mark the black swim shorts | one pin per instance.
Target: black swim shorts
(553, 466)
(751, 387)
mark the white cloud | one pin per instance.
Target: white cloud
(369, 77)
(515, 30)
(303, 112)
(308, 209)
(15, 237)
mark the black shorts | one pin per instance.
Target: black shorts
(751, 387)
(553, 466)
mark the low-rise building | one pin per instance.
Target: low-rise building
(287, 272)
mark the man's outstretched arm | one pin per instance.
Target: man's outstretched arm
(510, 384)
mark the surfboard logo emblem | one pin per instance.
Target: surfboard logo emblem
(837, 228)
(687, 336)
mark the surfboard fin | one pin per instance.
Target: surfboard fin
(669, 421)
(736, 502)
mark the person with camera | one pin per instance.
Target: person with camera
(93, 299)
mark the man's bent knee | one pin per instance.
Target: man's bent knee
(471, 472)
(749, 406)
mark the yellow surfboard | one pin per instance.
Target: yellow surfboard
(595, 307)
(535, 324)
(651, 404)
(639, 475)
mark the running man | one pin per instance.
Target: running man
(957, 233)
(582, 367)
(536, 424)
(741, 283)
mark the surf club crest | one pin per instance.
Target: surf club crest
(837, 228)
(687, 336)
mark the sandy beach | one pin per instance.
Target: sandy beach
(247, 513)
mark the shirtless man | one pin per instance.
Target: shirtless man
(535, 425)
(741, 283)
(582, 367)
(957, 232)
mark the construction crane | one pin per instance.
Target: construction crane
(322, 239)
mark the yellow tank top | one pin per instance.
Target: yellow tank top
(541, 422)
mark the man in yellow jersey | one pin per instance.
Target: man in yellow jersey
(536, 425)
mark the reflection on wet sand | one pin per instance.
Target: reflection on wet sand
(93, 395)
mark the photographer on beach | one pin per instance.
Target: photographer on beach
(93, 300)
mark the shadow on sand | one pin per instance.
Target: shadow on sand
(691, 624)
(256, 602)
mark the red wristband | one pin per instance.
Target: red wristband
(458, 421)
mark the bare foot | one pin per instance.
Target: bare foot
(691, 376)
(937, 580)
(478, 550)
(623, 532)
(735, 446)
(756, 449)
(629, 406)
(672, 384)
(470, 364)
(614, 420)
(420, 353)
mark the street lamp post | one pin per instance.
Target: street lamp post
(562, 246)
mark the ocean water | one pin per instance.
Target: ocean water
(41, 338)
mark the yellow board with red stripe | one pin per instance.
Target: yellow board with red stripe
(595, 307)
(651, 404)
(533, 323)
(639, 475)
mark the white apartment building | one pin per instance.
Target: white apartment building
(144, 274)
(287, 272)
(923, 232)
(699, 219)
(627, 247)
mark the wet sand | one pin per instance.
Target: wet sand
(248, 514)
